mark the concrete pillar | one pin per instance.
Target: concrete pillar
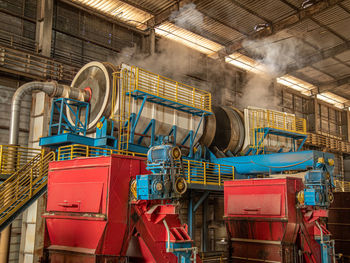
(152, 39)
(44, 26)
(33, 228)
(32, 238)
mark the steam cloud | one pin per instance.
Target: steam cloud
(188, 17)
(274, 57)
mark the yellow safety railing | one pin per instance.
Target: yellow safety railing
(171, 90)
(261, 118)
(77, 150)
(24, 184)
(138, 79)
(12, 157)
(196, 172)
(341, 186)
(206, 173)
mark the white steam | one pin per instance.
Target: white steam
(273, 58)
(188, 17)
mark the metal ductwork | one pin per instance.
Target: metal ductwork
(53, 89)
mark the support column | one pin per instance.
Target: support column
(152, 37)
(33, 228)
(190, 215)
(204, 243)
(44, 26)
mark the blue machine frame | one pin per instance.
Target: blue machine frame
(60, 106)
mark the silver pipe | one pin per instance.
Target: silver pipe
(53, 89)
(168, 236)
(319, 227)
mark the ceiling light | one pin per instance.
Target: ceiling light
(297, 84)
(333, 99)
(260, 27)
(307, 3)
(188, 38)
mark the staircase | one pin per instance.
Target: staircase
(23, 187)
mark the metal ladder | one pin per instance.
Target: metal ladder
(122, 117)
(23, 187)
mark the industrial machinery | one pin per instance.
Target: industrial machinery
(92, 217)
(106, 204)
(166, 180)
(281, 219)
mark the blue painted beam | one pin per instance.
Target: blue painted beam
(201, 200)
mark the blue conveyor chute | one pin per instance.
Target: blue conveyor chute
(275, 163)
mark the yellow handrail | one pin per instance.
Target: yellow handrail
(138, 79)
(25, 183)
(13, 157)
(196, 172)
(341, 186)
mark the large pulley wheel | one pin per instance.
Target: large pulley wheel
(96, 77)
(176, 153)
(180, 186)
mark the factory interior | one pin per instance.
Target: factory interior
(174, 131)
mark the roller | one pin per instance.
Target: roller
(97, 78)
(224, 130)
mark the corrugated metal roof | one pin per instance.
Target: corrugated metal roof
(314, 74)
(337, 19)
(333, 67)
(218, 32)
(296, 3)
(315, 35)
(153, 6)
(230, 14)
(272, 10)
(192, 20)
(345, 57)
(346, 4)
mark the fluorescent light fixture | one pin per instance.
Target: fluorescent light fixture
(297, 84)
(187, 38)
(244, 62)
(119, 10)
(333, 99)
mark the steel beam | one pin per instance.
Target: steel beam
(201, 200)
(190, 214)
(285, 23)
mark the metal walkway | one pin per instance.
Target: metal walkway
(23, 187)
